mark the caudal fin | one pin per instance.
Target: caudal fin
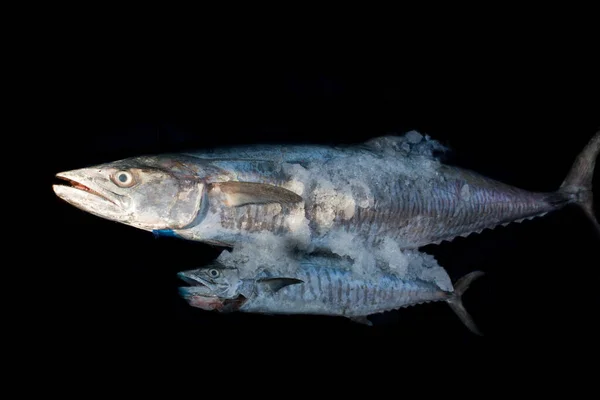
(455, 300)
(578, 183)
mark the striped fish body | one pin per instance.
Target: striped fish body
(316, 285)
(454, 203)
(338, 292)
(385, 198)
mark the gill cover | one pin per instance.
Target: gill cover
(188, 205)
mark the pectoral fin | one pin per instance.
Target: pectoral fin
(242, 193)
(276, 284)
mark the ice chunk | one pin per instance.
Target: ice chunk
(387, 257)
(412, 264)
(300, 177)
(411, 143)
(397, 261)
(266, 251)
(413, 137)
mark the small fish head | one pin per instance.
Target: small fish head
(140, 192)
(215, 279)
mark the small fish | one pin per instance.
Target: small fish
(309, 195)
(319, 286)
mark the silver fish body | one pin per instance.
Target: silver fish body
(334, 291)
(414, 212)
(319, 286)
(310, 195)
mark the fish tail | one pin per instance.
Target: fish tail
(577, 186)
(456, 304)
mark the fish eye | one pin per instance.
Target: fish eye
(214, 273)
(123, 179)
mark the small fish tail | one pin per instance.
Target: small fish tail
(577, 186)
(456, 304)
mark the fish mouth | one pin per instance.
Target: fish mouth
(199, 295)
(61, 189)
(196, 287)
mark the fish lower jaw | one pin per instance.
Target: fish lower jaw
(198, 296)
(89, 202)
(70, 184)
(194, 288)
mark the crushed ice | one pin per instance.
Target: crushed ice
(334, 189)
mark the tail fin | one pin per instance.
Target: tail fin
(578, 183)
(455, 300)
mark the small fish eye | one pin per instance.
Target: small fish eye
(123, 179)
(213, 273)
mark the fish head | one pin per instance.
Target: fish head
(214, 287)
(149, 193)
(216, 279)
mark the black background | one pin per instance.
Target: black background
(516, 114)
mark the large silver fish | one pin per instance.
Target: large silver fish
(319, 286)
(389, 187)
